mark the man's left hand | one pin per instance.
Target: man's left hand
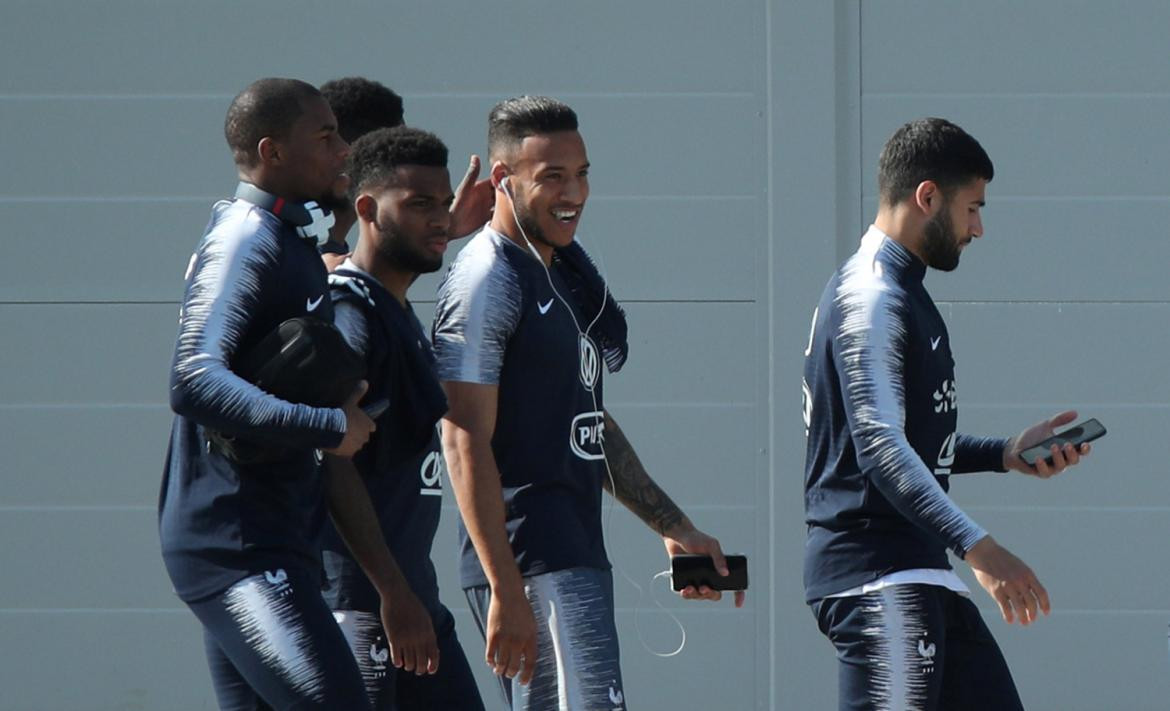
(688, 539)
(1062, 457)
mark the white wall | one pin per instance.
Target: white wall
(734, 147)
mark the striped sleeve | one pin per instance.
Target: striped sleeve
(869, 343)
(229, 277)
(477, 312)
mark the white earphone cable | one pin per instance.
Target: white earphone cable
(604, 457)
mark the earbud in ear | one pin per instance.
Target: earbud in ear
(504, 185)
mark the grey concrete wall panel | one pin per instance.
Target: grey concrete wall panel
(442, 47)
(1004, 47)
(97, 456)
(104, 660)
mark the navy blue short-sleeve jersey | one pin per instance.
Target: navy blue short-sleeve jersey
(403, 472)
(220, 520)
(498, 322)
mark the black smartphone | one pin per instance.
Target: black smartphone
(1076, 435)
(375, 409)
(698, 570)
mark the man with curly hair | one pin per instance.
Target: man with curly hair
(401, 199)
(362, 105)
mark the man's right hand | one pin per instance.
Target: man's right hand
(1009, 581)
(410, 633)
(358, 425)
(511, 635)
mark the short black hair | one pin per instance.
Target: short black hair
(513, 120)
(374, 157)
(362, 105)
(929, 149)
(265, 108)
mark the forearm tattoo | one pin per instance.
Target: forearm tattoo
(634, 487)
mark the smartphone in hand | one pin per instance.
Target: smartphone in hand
(1076, 435)
(698, 570)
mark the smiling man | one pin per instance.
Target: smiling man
(402, 197)
(523, 323)
(881, 411)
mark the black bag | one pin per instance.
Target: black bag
(303, 360)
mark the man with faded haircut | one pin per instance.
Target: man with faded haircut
(402, 197)
(239, 533)
(362, 105)
(522, 324)
(881, 414)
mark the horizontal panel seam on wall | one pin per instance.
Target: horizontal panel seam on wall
(720, 404)
(184, 611)
(74, 302)
(211, 199)
(986, 609)
(1054, 302)
(406, 96)
(121, 508)
(1044, 508)
(940, 302)
(1016, 95)
(1033, 404)
(995, 198)
(451, 508)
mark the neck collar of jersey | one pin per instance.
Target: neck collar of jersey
(892, 254)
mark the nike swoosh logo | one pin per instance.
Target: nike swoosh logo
(934, 343)
(312, 304)
(544, 307)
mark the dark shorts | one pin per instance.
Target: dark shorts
(577, 664)
(915, 648)
(452, 688)
(272, 643)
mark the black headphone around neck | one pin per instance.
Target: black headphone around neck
(311, 219)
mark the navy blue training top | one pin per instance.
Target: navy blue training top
(881, 410)
(403, 475)
(220, 521)
(498, 322)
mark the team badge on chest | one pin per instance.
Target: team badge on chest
(590, 362)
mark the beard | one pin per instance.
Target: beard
(941, 246)
(396, 249)
(529, 225)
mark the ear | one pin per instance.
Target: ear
(499, 171)
(366, 207)
(268, 150)
(928, 197)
